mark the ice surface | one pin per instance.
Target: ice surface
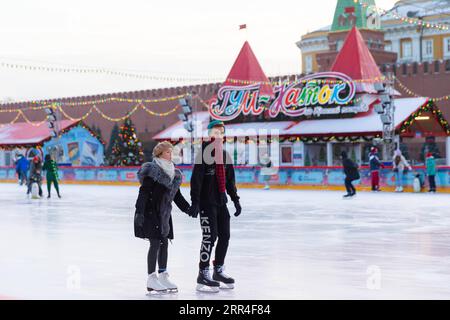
(286, 245)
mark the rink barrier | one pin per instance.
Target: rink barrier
(288, 177)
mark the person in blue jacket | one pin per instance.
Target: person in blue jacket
(431, 171)
(22, 166)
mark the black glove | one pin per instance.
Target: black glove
(238, 207)
(139, 220)
(194, 210)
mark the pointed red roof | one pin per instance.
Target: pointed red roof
(247, 68)
(355, 59)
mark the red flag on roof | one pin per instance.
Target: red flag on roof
(355, 59)
(242, 26)
(246, 70)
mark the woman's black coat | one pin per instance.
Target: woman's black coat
(156, 188)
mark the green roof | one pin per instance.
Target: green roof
(349, 13)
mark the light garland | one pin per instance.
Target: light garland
(12, 121)
(412, 21)
(103, 71)
(412, 93)
(160, 78)
(20, 113)
(303, 81)
(76, 119)
(47, 104)
(428, 107)
(100, 101)
(129, 113)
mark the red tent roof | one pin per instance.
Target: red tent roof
(247, 68)
(355, 59)
(25, 134)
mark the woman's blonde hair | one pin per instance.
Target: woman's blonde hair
(161, 147)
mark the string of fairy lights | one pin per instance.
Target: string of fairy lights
(406, 20)
(20, 113)
(138, 104)
(412, 93)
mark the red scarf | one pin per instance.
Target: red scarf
(220, 167)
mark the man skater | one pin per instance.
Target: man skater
(212, 178)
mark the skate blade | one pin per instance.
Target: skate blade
(172, 290)
(156, 292)
(226, 286)
(203, 288)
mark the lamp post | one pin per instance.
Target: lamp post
(53, 119)
(386, 110)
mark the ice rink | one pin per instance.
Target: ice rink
(285, 245)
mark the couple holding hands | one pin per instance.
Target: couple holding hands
(212, 178)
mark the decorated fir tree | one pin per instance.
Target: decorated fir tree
(307, 160)
(322, 156)
(353, 155)
(113, 138)
(127, 149)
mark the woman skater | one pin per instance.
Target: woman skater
(160, 185)
(52, 174)
(400, 167)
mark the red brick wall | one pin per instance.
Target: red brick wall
(430, 84)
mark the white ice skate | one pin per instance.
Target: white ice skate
(164, 280)
(205, 283)
(154, 286)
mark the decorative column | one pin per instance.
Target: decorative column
(329, 154)
(396, 47)
(447, 151)
(416, 48)
(299, 153)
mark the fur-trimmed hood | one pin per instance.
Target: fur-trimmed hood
(154, 171)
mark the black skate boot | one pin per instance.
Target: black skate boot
(205, 283)
(219, 275)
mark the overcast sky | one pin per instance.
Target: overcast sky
(197, 38)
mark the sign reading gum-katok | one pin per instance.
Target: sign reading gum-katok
(294, 99)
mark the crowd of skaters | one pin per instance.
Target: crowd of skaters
(400, 167)
(30, 173)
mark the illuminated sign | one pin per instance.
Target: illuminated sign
(321, 93)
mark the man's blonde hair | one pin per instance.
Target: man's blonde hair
(161, 147)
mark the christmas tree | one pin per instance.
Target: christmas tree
(322, 156)
(307, 160)
(112, 140)
(127, 149)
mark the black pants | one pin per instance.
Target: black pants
(215, 224)
(349, 186)
(158, 251)
(432, 182)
